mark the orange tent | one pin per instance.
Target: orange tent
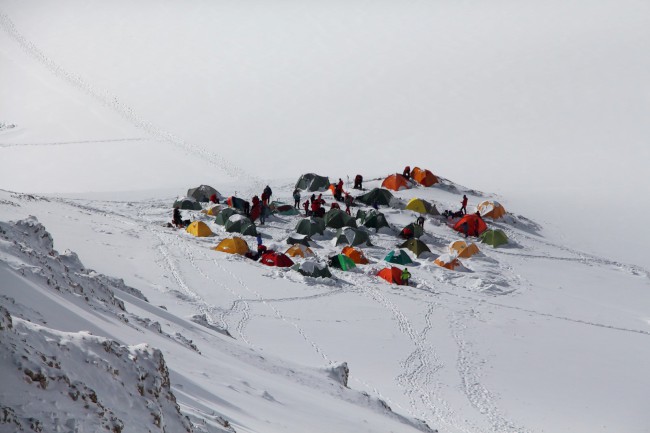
(461, 249)
(423, 177)
(395, 182)
(356, 255)
(475, 225)
(299, 250)
(392, 275)
(491, 209)
(447, 261)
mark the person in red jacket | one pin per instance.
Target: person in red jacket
(305, 205)
(214, 199)
(338, 190)
(463, 208)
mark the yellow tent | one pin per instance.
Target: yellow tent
(461, 249)
(213, 211)
(491, 209)
(234, 245)
(299, 250)
(421, 206)
(447, 261)
(199, 228)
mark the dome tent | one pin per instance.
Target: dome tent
(396, 182)
(240, 224)
(187, 203)
(494, 237)
(199, 229)
(312, 269)
(423, 177)
(379, 195)
(491, 209)
(299, 250)
(398, 256)
(373, 219)
(422, 206)
(310, 226)
(351, 236)
(312, 182)
(336, 218)
(393, 275)
(416, 246)
(203, 193)
(474, 225)
(234, 245)
(224, 215)
(355, 254)
(341, 261)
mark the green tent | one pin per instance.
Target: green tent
(379, 195)
(336, 219)
(416, 246)
(224, 215)
(240, 224)
(373, 219)
(398, 256)
(311, 226)
(351, 236)
(187, 203)
(203, 193)
(494, 237)
(313, 182)
(312, 269)
(416, 229)
(341, 261)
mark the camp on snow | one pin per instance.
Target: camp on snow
(461, 249)
(312, 182)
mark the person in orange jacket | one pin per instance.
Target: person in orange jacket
(463, 208)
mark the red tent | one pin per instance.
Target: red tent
(272, 258)
(392, 275)
(475, 225)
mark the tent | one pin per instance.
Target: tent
(312, 182)
(300, 251)
(336, 218)
(494, 237)
(351, 236)
(312, 269)
(237, 203)
(298, 239)
(203, 193)
(416, 246)
(199, 228)
(356, 255)
(373, 219)
(273, 258)
(422, 206)
(341, 261)
(416, 231)
(240, 224)
(475, 225)
(447, 261)
(398, 256)
(423, 176)
(223, 216)
(392, 275)
(461, 249)
(234, 245)
(395, 182)
(491, 209)
(283, 208)
(379, 195)
(311, 226)
(187, 203)
(213, 211)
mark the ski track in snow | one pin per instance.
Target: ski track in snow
(112, 102)
(61, 143)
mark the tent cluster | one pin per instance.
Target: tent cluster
(237, 218)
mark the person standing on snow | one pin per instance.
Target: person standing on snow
(407, 172)
(296, 198)
(338, 190)
(406, 275)
(463, 207)
(358, 180)
(348, 202)
(267, 192)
